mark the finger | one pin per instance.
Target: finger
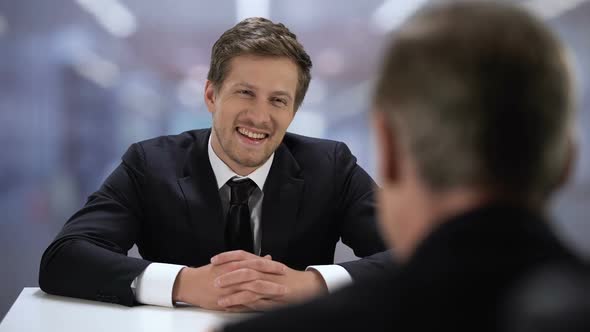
(239, 308)
(268, 257)
(262, 265)
(262, 287)
(259, 264)
(230, 256)
(239, 298)
(236, 277)
(263, 305)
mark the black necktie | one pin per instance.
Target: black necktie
(238, 233)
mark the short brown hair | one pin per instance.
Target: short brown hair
(259, 36)
(482, 94)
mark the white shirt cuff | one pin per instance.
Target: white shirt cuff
(154, 285)
(335, 276)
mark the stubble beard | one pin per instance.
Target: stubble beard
(232, 151)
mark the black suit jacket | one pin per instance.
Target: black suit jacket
(457, 280)
(164, 198)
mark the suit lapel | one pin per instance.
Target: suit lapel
(201, 194)
(282, 197)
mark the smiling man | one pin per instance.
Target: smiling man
(252, 110)
(242, 216)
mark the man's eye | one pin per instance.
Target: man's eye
(245, 92)
(280, 101)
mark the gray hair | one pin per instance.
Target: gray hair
(481, 93)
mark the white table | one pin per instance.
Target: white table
(34, 310)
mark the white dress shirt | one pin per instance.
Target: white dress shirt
(154, 285)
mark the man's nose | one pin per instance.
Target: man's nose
(259, 113)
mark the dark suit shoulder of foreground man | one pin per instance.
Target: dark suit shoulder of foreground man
(242, 216)
(474, 118)
(443, 285)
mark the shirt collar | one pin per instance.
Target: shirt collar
(223, 173)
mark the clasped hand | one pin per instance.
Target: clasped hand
(240, 281)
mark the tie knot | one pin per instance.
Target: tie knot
(241, 189)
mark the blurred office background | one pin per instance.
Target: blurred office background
(80, 80)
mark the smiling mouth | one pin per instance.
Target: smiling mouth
(251, 134)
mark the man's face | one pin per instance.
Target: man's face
(252, 110)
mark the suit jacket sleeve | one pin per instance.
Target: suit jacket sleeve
(88, 258)
(357, 213)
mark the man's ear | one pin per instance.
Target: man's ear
(387, 148)
(570, 160)
(210, 96)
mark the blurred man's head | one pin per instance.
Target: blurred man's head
(473, 103)
(258, 77)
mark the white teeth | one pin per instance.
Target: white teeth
(251, 134)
